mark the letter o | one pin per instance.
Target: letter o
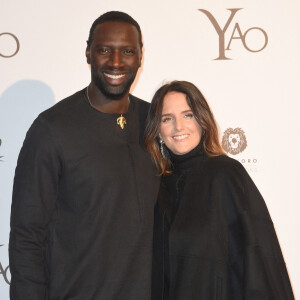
(17, 42)
(265, 35)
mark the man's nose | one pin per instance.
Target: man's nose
(116, 59)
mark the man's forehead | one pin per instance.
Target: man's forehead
(116, 33)
(115, 26)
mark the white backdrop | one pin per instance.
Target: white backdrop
(254, 91)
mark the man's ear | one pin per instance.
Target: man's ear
(87, 54)
(141, 58)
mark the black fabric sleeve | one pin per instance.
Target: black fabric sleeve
(264, 271)
(34, 194)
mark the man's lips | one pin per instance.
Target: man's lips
(114, 76)
(115, 79)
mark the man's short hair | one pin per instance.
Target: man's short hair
(115, 16)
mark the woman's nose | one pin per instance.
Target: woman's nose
(178, 124)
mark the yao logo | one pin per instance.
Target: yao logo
(234, 141)
(235, 35)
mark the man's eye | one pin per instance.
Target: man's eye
(103, 51)
(128, 52)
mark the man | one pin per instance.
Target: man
(84, 190)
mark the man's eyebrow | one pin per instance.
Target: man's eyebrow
(100, 45)
(121, 46)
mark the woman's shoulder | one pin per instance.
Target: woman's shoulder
(221, 166)
(223, 162)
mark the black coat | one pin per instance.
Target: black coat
(222, 243)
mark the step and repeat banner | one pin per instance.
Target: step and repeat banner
(243, 55)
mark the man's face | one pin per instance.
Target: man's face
(115, 57)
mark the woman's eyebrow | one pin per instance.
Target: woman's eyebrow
(167, 114)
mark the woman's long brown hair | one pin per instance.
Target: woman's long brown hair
(201, 111)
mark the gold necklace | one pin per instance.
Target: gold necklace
(121, 121)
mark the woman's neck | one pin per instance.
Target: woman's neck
(187, 160)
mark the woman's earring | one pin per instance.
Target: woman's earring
(162, 150)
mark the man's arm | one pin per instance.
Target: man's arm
(34, 195)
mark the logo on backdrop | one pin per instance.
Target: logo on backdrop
(16, 48)
(237, 29)
(234, 141)
(4, 272)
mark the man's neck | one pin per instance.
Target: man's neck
(103, 104)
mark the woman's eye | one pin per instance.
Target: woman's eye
(166, 119)
(189, 116)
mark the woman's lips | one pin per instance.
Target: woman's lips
(180, 138)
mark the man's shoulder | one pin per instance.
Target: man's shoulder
(139, 101)
(64, 105)
(60, 114)
(142, 106)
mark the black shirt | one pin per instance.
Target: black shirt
(82, 209)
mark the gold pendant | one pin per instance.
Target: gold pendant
(121, 121)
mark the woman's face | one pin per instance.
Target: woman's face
(178, 127)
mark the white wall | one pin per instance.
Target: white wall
(257, 92)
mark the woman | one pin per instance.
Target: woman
(213, 236)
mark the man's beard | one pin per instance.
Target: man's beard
(113, 92)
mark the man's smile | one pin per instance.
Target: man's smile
(114, 76)
(115, 79)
